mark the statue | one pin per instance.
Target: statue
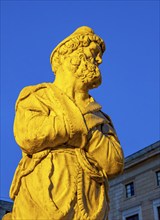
(70, 147)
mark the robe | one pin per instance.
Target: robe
(69, 152)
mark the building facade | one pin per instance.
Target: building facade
(135, 195)
(5, 207)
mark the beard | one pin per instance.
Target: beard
(89, 74)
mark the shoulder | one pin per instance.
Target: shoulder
(28, 90)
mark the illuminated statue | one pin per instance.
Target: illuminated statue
(69, 145)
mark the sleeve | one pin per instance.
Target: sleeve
(105, 148)
(37, 127)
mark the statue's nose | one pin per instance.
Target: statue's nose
(99, 59)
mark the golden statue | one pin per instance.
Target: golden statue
(70, 147)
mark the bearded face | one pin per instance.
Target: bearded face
(84, 65)
(88, 72)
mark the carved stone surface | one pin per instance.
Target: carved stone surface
(69, 145)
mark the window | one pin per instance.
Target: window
(156, 209)
(158, 212)
(133, 217)
(158, 178)
(129, 189)
(134, 213)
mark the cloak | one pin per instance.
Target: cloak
(69, 152)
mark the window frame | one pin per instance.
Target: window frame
(132, 184)
(156, 204)
(132, 211)
(156, 173)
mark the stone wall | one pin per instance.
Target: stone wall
(141, 171)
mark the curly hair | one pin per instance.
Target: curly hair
(73, 44)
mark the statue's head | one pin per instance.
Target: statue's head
(80, 53)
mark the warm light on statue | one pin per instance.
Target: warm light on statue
(69, 145)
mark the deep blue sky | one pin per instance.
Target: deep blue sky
(130, 68)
